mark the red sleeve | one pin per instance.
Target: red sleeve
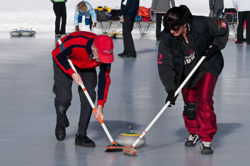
(103, 84)
(60, 56)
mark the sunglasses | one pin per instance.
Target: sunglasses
(175, 28)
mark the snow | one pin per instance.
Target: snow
(39, 14)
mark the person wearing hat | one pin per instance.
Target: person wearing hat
(86, 51)
(84, 8)
(185, 39)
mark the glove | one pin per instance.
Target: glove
(121, 19)
(77, 28)
(171, 97)
(152, 13)
(210, 52)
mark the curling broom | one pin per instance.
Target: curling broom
(130, 150)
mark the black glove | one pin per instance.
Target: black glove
(171, 97)
(210, 52)
(152, 13)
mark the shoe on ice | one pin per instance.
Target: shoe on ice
(127, 55)
(63, 35)
(192, 140)
(121, 54)
(83, 141)
(60, 132)
(58, 35)
(206, 148)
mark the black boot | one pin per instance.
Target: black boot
(83, 141)
(127, 55)
(60, 132)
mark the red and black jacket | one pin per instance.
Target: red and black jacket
(77, 47)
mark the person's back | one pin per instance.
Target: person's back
(129, 7)
(242, 5)
(162, 6)
(217, 7)
(159, 8)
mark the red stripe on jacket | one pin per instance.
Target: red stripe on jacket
(77, 46)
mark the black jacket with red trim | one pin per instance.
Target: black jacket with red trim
(77, 47)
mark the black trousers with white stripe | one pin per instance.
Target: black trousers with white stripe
(63, 90)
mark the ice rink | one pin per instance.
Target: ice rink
(136, 95)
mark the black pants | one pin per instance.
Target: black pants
(217, 12)
(159, 17)
(63, 90)
(242, 16)
(128, 42)
(60, 12)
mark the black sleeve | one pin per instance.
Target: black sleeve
(125, 6)
(166, 67)
(219, 29)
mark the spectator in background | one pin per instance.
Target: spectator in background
(129, 9)
(84, 8)
(59, 8)
(217, 7)
(243, 9)
(159, 8)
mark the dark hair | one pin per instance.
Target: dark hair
(177, 16)
(186, 9)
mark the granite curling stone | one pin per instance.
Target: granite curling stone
(15, 33)
(128, 139)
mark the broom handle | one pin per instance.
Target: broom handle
(93, 106)
(167, 104)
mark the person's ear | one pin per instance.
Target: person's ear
(185, 25)
(92, 47)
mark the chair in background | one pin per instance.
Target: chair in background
(230, 15)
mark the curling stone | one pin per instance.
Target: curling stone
(32, 32)
(15, 33)
(128, 139)
(26, 32)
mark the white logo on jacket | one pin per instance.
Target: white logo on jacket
(189, 59)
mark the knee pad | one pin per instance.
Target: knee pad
(190, 110)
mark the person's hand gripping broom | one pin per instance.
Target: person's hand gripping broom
(110, 148)
(130, 150)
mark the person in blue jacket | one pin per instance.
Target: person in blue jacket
(84, 8)
(129, 9)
